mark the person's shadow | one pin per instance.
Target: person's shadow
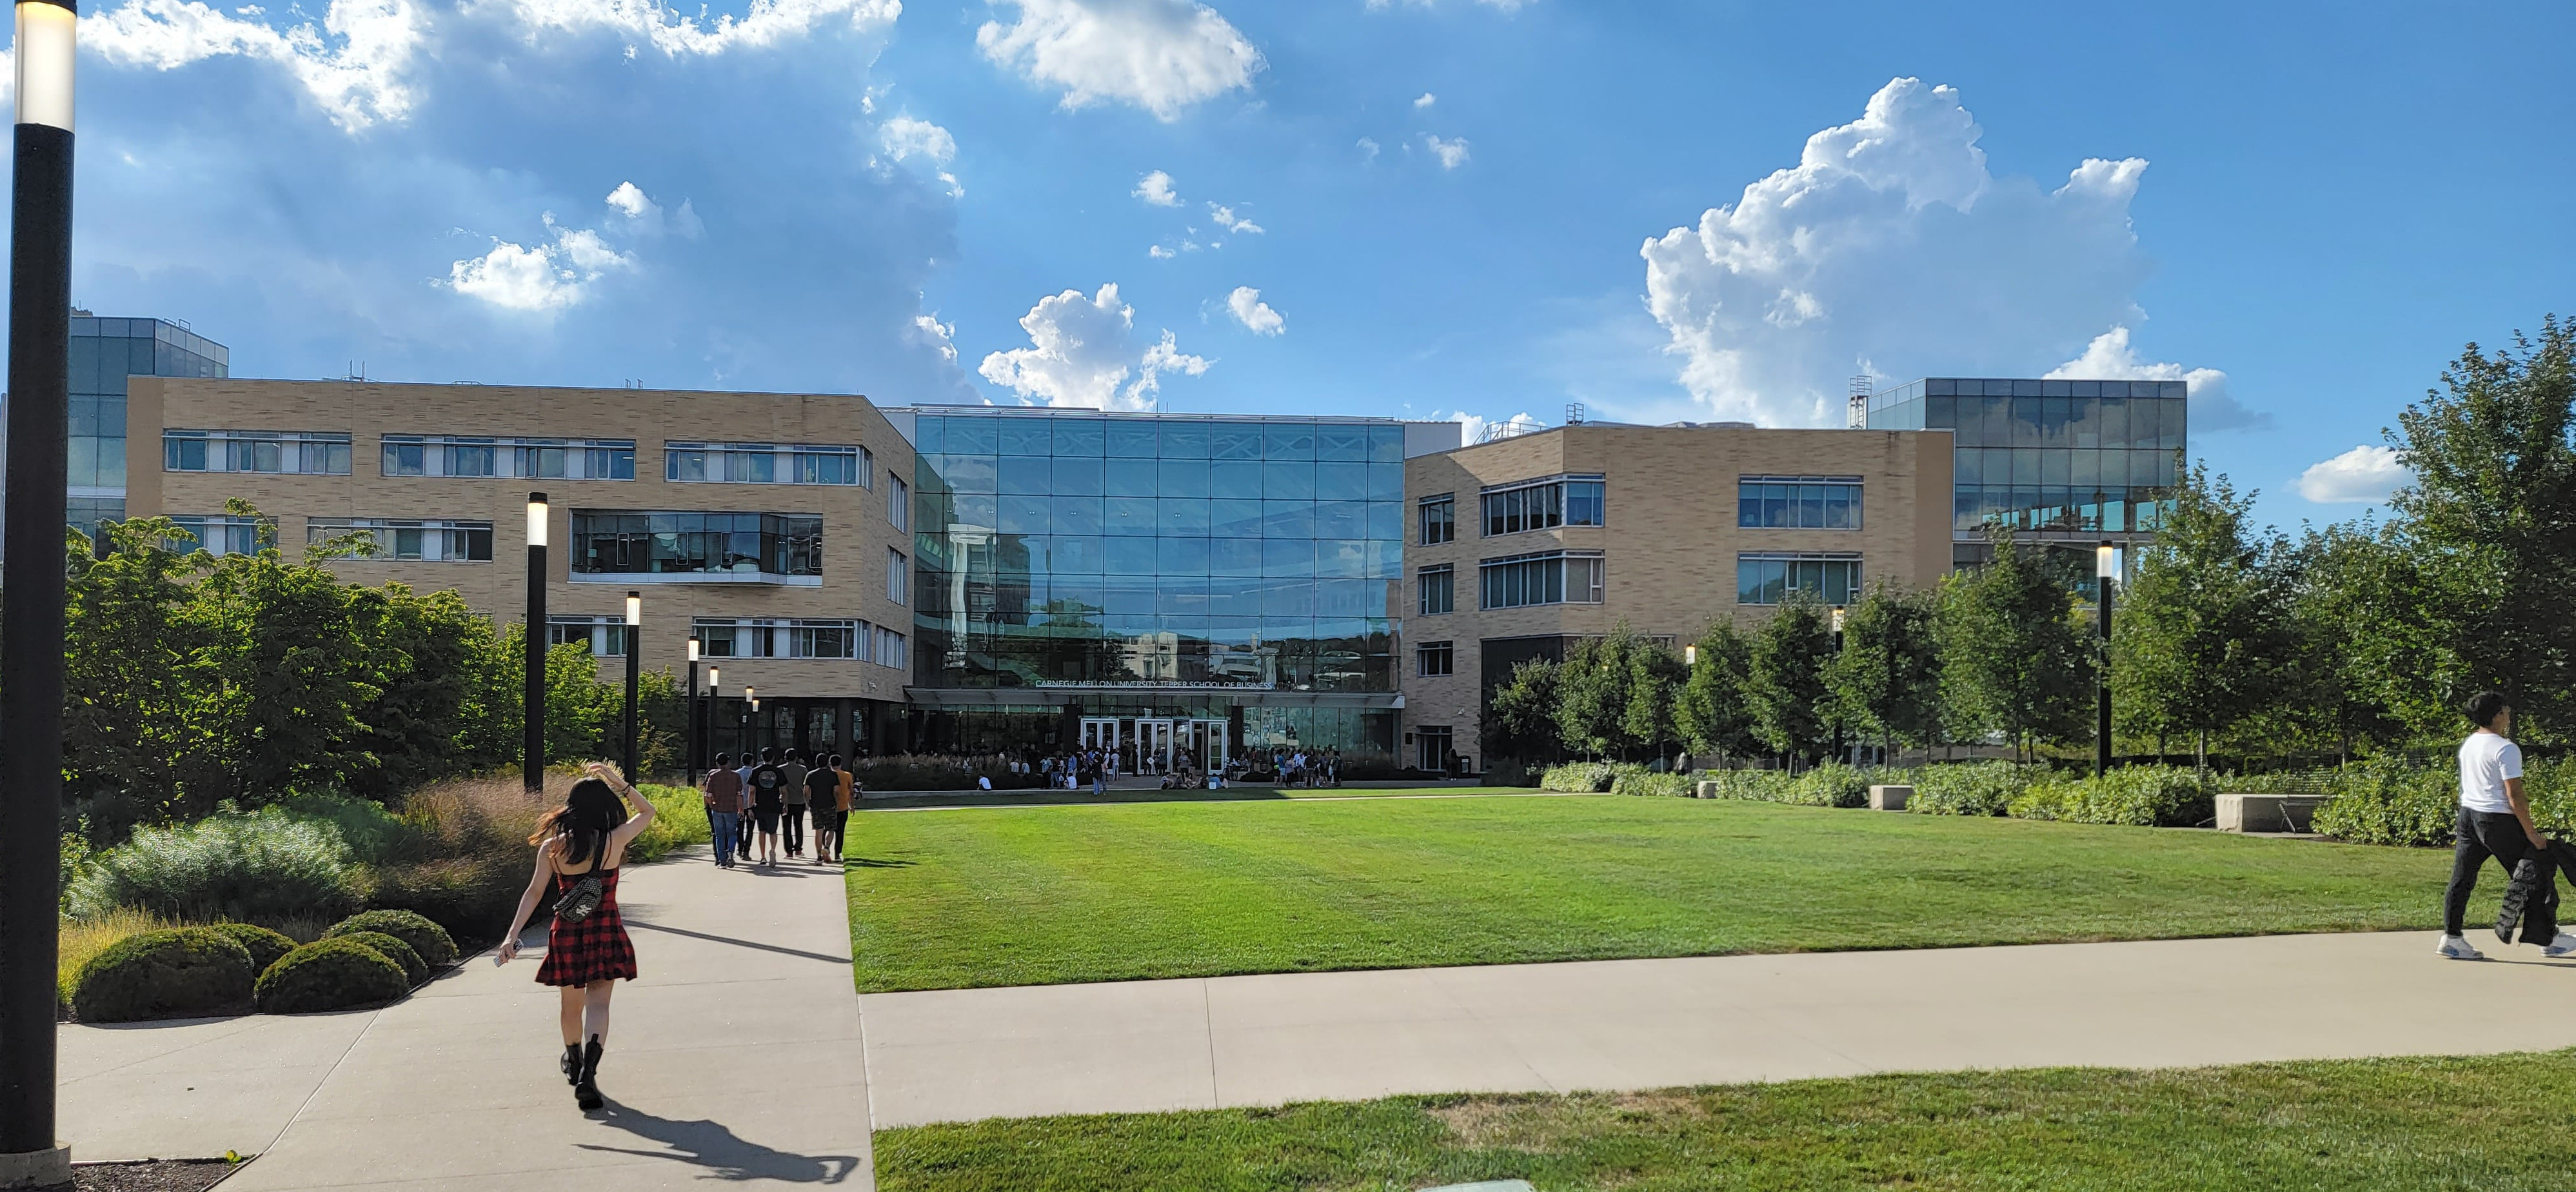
(717, 1148)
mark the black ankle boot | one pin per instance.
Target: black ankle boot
(572, 1063)
(586, 1091)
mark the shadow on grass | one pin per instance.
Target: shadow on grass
(723, 1154)
(1055, 798)
(874, 863)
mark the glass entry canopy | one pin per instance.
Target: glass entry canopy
(1147, 745)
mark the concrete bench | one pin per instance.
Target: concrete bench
(1889, 798)
(2266, 813)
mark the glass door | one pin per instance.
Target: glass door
(1153, 746)
(1204, 742)
(1100, 734)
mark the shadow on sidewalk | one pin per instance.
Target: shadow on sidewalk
(715, 1147)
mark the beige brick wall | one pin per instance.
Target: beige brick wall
(857, 530)
(1670, 538)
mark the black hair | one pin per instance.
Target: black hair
(722, 758)
(836, 761)
(584, 821)
(766, 752)
(2484, 707)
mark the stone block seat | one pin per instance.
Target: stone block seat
(2266, 813)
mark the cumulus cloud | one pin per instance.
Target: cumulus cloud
(356, 67)
(1452, 154)
(1476, 428)
(649, 22)
(1160, 253)
(1156, 190)
(2361, 476)
(1426, 100)
(1254, 313)
(644, 217)
(2110, 358)
(905, 137)
(1891, 242)
(547, 277)
(1160, 55)
(1227, 219)
(939, 337)
(1080, 354)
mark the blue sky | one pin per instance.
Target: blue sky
(1432, 207)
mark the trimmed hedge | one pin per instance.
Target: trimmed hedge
(1830, 785)
(178, 972)
(1978, 788)
(265, 946)
(330, 974)
(427, 939)
(1579, 777)
(415, 970)
(2142, 796)
(466, 896)
(1642, 782)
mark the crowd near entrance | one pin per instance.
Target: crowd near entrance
(1149, 745)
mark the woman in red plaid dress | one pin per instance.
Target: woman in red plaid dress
(585, 957)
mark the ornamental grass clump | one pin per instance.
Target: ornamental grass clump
(265, 866)
(178, 972)
(331, 974)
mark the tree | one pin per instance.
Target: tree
(1592, 694)
(1887, 678)
(2361, 645)
(1655, 677)
(2202, 637)
(2013, 658)
(1711, 712)
(1521, 721)
(1784, 683)
(132, 716)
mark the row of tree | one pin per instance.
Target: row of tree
(193, 680)
(2352, 638)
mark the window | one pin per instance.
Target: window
(1433, 740)
(898, 577)
(889, 649)
(1798, 502)
(757, 638)
(898, 503)
(1439, 520)
(306, 453)
(606, 636)
(767, 463)
(1439, 589)
(1544, 505)
(425, 541)
(1770, 578)
(750, 545)
(1434, 659)
(483, 458)
(1552, 577)
(220, 534)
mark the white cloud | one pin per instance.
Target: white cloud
(1254, 313)
(1504, 5)
(648, 22)
(644, 217)
(1226, 218)
(547, 277)
(939, 337)
(1475, 427)
(1889, 241)
(1160, 253)
(1368, 147)
(354, 66)
(1426, 100)
(905, 137)
(631, 199)
(2361, 476)
(1156, 189)
(1080, 355)
(1452, 154)
(2110, 358)
(1160, 55)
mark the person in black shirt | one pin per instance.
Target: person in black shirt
(822, 796)
(769, 800)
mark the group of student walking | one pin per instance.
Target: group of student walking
(760, 800)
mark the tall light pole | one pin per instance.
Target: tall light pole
(2106, 573)
(1838, 649)
(715, 683)
(634, 674)
(750, 717)
(692, 706)
(31, 593)
(532, 737)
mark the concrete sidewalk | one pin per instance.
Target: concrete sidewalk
(735, 1057)
(1641, 1024)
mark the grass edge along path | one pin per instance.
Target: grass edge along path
(2488, 1123)
(1143, 891)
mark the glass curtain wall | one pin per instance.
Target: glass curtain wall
(103, 353)
(2050, 457)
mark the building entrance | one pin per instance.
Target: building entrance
(1154, 745)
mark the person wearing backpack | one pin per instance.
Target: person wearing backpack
(580, 850)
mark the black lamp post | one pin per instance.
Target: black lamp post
(634, 674)
(691, 704)
(532, 737)
(2106, 573)
(715, 683)
(31, 593)
(1838, 649)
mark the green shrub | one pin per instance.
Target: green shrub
(468, 896)
(1642, 782)
(374, 835)
(1509, 771)
(415, 970)
(330, 974)
(682, 821)
(267, 866)
(264, 945)
(177, 972)
(1765, 786)
(2144, 796)
(428, 939)
(1832, 784)
(2389, 802)
(1578, 777)
(1977, 788)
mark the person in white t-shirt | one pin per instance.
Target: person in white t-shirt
(2495, 821)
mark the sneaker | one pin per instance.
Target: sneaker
(2563, 944)
(2456, 948)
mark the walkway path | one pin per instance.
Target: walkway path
(1638, 1024)
(735, 1058)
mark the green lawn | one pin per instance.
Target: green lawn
(2490, 1124)
(1042, 895)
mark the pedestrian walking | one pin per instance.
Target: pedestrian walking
(845, 792)
(768, 802)
(822, 793)
(723, 787)
(792, 822)
(746, 821)
(581, 848)
(2495, 821)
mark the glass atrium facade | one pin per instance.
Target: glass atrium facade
(103, 353)
(2049, 458)
(1218, 583)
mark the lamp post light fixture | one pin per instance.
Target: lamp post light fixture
(634, 674)
(715, 683)
(2106, 575)
(691, 707)
(532, 736)
(31, 592)
(1838, 648)
(1690, 654)
(750, 714)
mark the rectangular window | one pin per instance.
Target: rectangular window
(1552, 577)
(1433, 741)
(606, 636)
(890, 648)
(898, 577)
(220, 534)
(423, 541)
(768, 463)
(1770, 578)
(751, 545)
(764, 638)
(1434, 659)
(1544, 505)
(1798, 502)
(487, 458)
(1439, 590)
(306, 453)
(1439, 520)
(899, 503)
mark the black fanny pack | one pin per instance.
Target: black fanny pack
(583, 899)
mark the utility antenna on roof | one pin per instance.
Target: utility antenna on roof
(1574, 413)
(1861, 388)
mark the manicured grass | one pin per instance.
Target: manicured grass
(1042, 895)
(2488, 1124)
